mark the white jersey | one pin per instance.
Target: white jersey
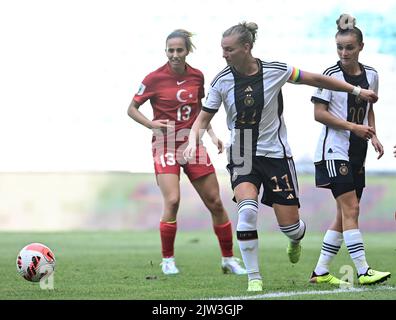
(337, 144)
(254, 102)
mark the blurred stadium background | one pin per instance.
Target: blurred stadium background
(126, 201)
(71, 159)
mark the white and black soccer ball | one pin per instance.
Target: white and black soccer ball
(35, 261)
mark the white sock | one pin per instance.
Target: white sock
(295, 232)
(332, 242)
(247, 236)
(354, 242)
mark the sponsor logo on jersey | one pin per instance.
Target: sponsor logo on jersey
(180, 82)
(330, 150)
(249, 89)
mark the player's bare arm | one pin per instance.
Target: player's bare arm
(135, 114)
(322, 115)
(330, 83)
(377, 145)
(216, 141)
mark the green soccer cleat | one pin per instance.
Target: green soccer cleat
(255, 285)
(373, 277)
(294, 251)
(328, 278)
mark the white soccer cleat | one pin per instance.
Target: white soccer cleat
(168, 266)
(232, 265)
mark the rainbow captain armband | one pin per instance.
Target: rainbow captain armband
(296, 75)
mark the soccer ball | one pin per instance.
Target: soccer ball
(35, 261)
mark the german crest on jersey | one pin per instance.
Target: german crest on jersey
(343, 169)
(248, 101)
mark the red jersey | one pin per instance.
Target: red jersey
(173, 96)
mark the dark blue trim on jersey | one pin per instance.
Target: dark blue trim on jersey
(332, 68)
(274, 65)
(324, 143)
(318, 100)
(330, 73)
(210, 110)
(277, 68)
(280, 112)
(222, 73)
(369, 68)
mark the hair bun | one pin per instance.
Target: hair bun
(252, 26)
(345, 22)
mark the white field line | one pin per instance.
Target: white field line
(302, 293)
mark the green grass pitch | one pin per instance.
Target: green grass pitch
(125, 265)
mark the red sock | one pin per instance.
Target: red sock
(224, 234)
(168, 235)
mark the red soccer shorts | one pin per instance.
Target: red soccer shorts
(170, 160)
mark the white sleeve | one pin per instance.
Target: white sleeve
(276, 74)
(321, 95)
(213, 99)
(285, 75)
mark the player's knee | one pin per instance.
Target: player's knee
(172, 203)
(215, 205)
(351, 212)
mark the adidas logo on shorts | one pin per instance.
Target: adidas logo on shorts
(290, 196)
